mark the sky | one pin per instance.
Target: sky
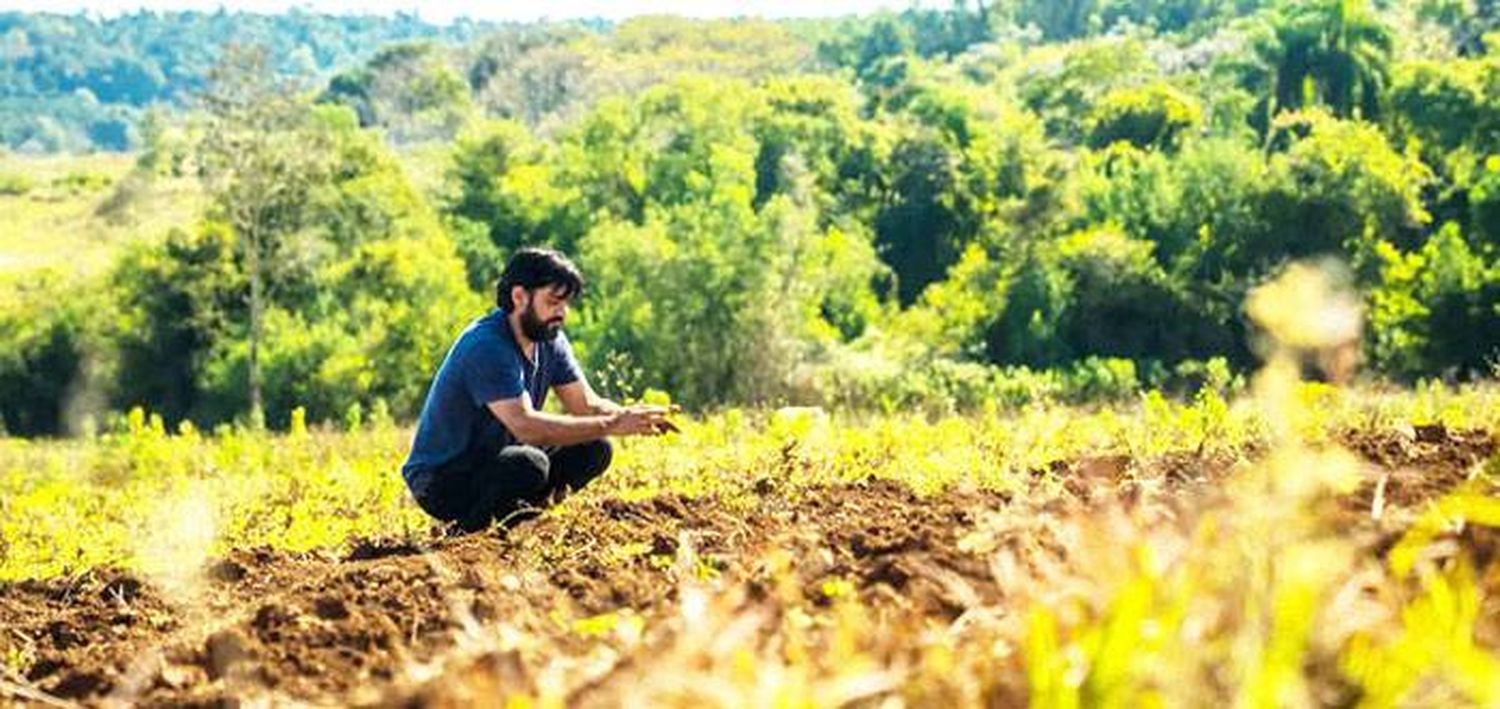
(443, 13)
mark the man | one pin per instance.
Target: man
(484, 449)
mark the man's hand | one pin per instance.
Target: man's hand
(641, 420)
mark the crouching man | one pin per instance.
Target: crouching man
(484, 450)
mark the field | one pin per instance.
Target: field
(1297, 548)
(72, 213)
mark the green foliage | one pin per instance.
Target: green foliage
(1339, 182)
(1174, 15)
(507, 186)
(953, 315)
(870, 46)
(1028, 330)
(74, 122)
(1336, 53)
(1446, 105)
(943, 386)
(1191, 205)
(409, 90)
(813, 127)
(1099, 293)
(708, 277)
(176, 299)
(1062, 84)
(360, 288)
(1449, 114)
(528, 73)
(1437, 309)
(1484, 204)
(542, 75)
(263, 157)
(713, 303)
(923, 228)
(48, 354)
(1222, 215)
(14, 185)
(1155, 116)
(77, 82)
(390, 309)
(966, 163)
(1063, 20)
(1222, 212)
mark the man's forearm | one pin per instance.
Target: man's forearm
(547, 429)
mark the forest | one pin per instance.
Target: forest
(938, 209)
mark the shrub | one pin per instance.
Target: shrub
(14, 184)
(49, 355)
(1153, 116)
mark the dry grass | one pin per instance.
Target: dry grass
(55, 222)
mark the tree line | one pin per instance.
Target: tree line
(75, 82)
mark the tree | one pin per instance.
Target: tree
(1449, 112)
(407, 89)
(129, 62)
(966, 162)
(1153, 116)
(1060, 19)
(261, 158)
(813, 126)
(507, 186)
(532, 83)
(1100, 293)
(1338, 186)
(1063, 84)
(1334, 52)
(48, 351)
(1171, 15)
(1437, 309)
(176, 299)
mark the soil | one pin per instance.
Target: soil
(348, 629)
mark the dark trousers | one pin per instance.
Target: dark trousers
(476, 489)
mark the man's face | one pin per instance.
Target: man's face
(543, 313)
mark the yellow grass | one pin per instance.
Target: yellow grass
(55, 222)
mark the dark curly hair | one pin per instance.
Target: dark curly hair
(533, 268)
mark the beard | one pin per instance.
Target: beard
(536, 329)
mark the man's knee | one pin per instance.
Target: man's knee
(526, 469)
(600, 454)
(574, 466)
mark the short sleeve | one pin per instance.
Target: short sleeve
(564, 369)
(492, 373)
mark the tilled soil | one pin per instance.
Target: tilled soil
(350, 629)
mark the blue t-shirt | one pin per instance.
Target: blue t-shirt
(485, 364)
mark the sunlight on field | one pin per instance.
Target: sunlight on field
(174, 544)
(69, 504)
(1156, 599)
(49, 211)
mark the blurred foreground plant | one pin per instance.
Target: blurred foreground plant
(1266, 603)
